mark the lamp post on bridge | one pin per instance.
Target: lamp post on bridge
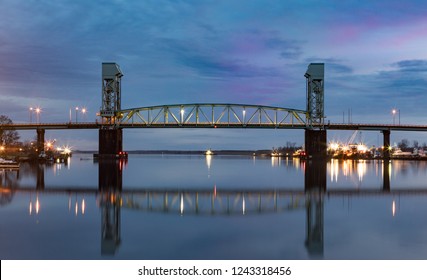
(394, 111)
(77, 109)
(38, 111)
(84, 110)
(31, 114)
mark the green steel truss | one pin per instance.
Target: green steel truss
(212, 115)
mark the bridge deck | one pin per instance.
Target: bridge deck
(331, 126)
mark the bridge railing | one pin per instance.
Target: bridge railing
(233, 115)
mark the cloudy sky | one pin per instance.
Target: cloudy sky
(225, 51)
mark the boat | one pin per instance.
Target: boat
(398, 153)
(209, 152)
(8, 164)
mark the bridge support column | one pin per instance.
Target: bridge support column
(40, 140)
(386, 149)
(110, 142)
(315, 144)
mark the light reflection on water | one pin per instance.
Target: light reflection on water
(214, 207)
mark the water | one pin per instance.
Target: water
(219, 207)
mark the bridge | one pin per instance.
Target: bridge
(211, 115)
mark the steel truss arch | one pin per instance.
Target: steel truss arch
(212, 115)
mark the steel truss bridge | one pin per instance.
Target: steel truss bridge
(212, 115)
(203, 115)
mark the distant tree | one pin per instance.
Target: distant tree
(7, 137)
(290, 144)
(404, 144)
(416, 144)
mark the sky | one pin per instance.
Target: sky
(219, 51)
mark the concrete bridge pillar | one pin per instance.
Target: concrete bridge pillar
(386, 149)
(40, 140)
(110, 142)
(315, 144)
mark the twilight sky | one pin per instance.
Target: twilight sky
(225, 51)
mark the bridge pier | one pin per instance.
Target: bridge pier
(40, 140)
(315, 144)
(110, 142)
(386, 141)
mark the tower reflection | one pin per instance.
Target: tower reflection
(110, 182)
(315, 188)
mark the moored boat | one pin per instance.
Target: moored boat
(8, 164)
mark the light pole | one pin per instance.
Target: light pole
(31, 114)
(394, 111)
(38, 111)
(84, 110)
(394, 115)
(77, 109)
(398, 112)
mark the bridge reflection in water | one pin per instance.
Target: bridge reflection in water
(112, 198)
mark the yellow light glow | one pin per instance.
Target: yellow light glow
(37, 205)
(362, 148)
(333, 146)
(393, 208)
(208, 161)
(83, 206)
(244, 206)
(181, 206)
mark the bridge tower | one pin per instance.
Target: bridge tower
(315, 134)
(110, 137)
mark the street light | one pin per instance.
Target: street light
(38, 111)
(394, 111)
(394, 115)
(84, 110)
(31, 114)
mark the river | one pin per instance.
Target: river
(214, 207)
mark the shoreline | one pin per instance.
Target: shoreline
(263, 153)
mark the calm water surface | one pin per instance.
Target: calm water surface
(218, 207)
